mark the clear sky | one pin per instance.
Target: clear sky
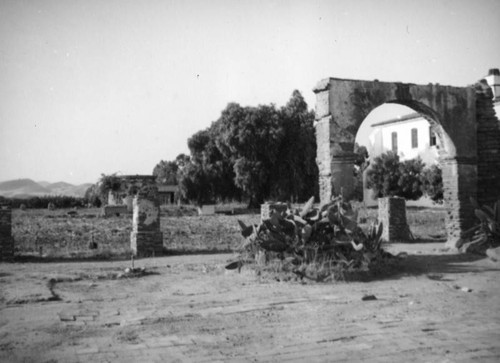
(103, 86)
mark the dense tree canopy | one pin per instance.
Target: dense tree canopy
(250, 138)
(166, 172)
(383, 175)
(297, 172)
(410, 179)
(253, 153)
(389, 177)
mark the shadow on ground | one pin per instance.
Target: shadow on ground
(447, 264)
(32, 258)
(432, 265)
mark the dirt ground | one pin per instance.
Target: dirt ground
(441, 307)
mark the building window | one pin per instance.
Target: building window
(414, 138)
(432, 135)
(394, 137)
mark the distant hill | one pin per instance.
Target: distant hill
(61, 188)
(80, 190)
(43, 183)
(26, 188)
(22, 186)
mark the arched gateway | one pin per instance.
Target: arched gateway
(462, 117)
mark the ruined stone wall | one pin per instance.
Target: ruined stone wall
(488, 151)
(6, 239)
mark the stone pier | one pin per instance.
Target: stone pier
(6, 239)
(146, 238)
(392, 214)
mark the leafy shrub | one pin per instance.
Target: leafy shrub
(432, 183)
(195, 184)
(92, 196)
(388, 177)
(58, 201)
(108, 183)
(410, 182)
(383, 175)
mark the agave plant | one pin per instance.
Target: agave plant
(374, 237)
(327, 237)
(486, 233)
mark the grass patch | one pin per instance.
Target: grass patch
(43, 235)
(55, 235)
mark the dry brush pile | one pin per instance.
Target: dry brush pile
(320, 244)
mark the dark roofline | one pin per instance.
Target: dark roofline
(411, 116)
(494, 72)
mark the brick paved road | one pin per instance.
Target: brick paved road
(193, 311)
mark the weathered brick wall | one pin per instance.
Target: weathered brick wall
(488, 150)
(392, 214)
(146, 238)
(6, 239)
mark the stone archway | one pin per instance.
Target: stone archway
(341, 107)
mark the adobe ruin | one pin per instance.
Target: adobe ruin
(463, 118)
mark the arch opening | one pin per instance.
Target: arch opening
(392, 127)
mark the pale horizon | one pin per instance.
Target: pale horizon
(92, 87)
